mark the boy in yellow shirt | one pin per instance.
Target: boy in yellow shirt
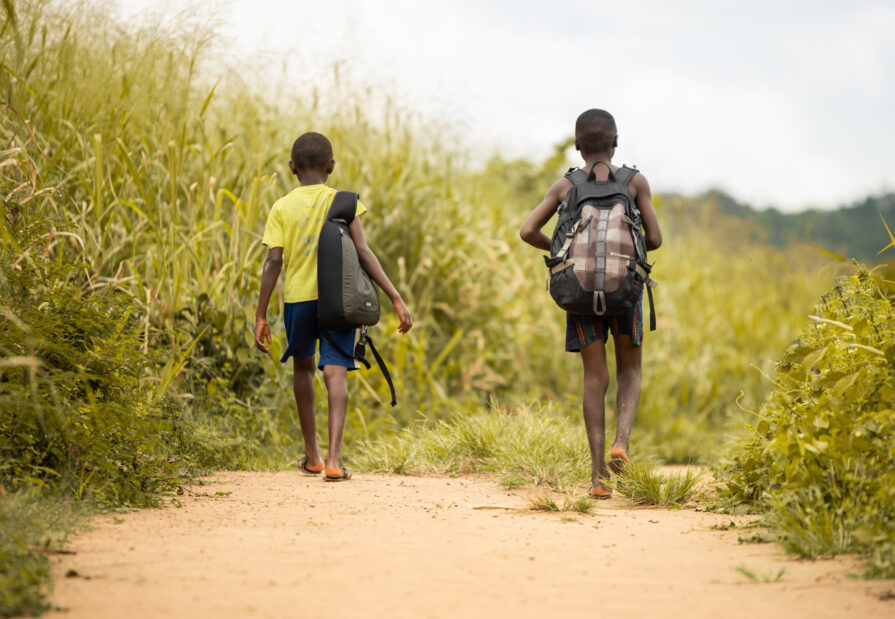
(293, 227)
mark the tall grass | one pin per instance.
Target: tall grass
(145, 169)
(168, 163)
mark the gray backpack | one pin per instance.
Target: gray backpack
(346, 295)
(597, 264)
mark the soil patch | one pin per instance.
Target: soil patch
(250, 544)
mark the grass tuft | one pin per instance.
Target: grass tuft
(760, 578)
(641, 482)
(582, 504)
(543, 503)
(539, 445)
(546, 503)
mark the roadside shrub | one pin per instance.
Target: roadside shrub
(76, 416)
(31, 526)
(820, 460)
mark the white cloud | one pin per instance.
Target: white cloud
(784, 103)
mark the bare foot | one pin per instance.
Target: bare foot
(618, 458)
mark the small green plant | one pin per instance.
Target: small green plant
(756, 538)
(568, 519)
(760, 578)
(640, 481)
(513, 481)
(543, 503)
(546, 503)
(582, 504)
(528, 445)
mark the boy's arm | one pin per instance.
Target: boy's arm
(531, 229)
(643, 198)
(272, 266)
(371, 265)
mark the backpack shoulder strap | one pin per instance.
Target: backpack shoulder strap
(624, 175)
(344, 206)
(576, 176)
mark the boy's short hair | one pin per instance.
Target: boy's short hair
(311, 151)
(595, 131)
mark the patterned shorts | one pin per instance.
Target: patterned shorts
(583, 330)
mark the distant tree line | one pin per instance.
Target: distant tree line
(854, 230)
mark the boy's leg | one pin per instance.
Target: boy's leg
(628, 361)
(303, 385)
(596, 382)
(336, 379)
(335, 366)
(300, 320)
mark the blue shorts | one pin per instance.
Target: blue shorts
(300, 320)
(584, 330)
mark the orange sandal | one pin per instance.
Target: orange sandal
(303, 465)
(599, 491)
(345, 476)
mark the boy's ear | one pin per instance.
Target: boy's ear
(615, 141)
(330, 166)
(293, 168)
(577, 146)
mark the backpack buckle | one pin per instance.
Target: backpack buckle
(360, 349)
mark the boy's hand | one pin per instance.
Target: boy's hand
(403, 315)
(262, 335)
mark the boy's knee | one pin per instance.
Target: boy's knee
(302, 367)
(597, 379)
(629, 371)
(334, 372)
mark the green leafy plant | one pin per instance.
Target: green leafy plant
(32, 527)
(820, 460)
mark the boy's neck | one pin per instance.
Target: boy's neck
(591, 160)
(311, 177)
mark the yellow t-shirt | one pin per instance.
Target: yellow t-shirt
(294, 224)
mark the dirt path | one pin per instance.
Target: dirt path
(288, 545)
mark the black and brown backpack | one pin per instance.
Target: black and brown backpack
(597, 264)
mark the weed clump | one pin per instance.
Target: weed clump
(757, 577)
(529, 445)
(820, 461)
(640, 481)
(546, 503)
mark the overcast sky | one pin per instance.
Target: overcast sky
(787, 103)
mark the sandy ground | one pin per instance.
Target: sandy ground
(289, 545)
